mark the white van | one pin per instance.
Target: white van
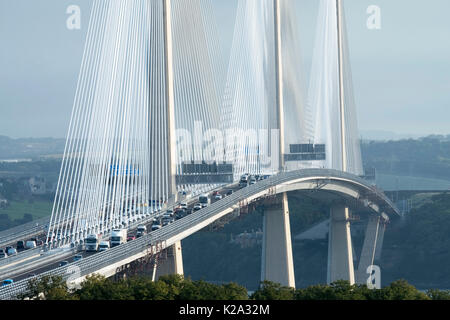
(103, 246)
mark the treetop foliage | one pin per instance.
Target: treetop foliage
(176, 287)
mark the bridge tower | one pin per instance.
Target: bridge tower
(174, 262)
(277, 263)
(340, 252)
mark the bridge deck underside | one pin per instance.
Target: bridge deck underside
(331, 198)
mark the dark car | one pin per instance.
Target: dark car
(140, 234)
(20, 245)
(229, 192)
(7, 282)
(63, 263)
(181, 214)
(170, 212)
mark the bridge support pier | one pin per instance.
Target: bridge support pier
(173, 264)
(340, 252)
(277, 263)
(368, 250)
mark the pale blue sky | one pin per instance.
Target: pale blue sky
(401, 73)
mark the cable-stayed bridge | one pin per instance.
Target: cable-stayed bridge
(161, 112)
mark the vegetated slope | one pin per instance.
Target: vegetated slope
(212, 256)
(418, 248)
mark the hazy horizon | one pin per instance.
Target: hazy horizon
(401, 73)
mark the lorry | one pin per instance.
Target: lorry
(91, 243)
(118, 237)
(243, 182)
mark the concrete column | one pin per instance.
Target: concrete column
(380, 238)
(340, 252)
(277, 263)
(368, 250)
(173, 264)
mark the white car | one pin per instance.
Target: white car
(142, 228)
(104, 245)
(218, 196)
(183, 205)
(197, 207)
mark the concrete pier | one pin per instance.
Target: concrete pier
(173, 264)
(340, 252)
(277, 263)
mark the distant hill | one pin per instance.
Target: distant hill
(30, 148)
(425, 157)
(380, 135)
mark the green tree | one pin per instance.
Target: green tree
(435, 294)
(399, 290)
(233, 291)
(273, 291)
(144, 288)
(198, 290)
(339, 290)
(174, 283)
(48, 288)
(202, 290)
(97, 287)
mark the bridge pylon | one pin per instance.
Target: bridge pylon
(172, 264)
(277, 263)
(340, 251)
